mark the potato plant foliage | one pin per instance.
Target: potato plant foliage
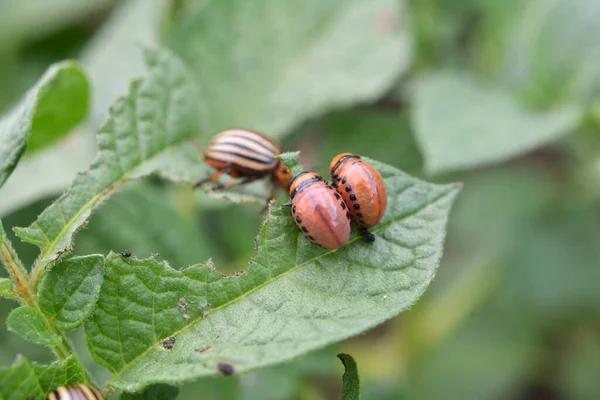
(149, 322)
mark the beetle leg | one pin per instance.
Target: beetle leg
(225, 186)
(213, 177)
(368, 236)
(287, 204)
(271, 197)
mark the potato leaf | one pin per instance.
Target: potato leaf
(49, 110)
(351, 381)
(268, 65)
(480, 125)
(294, 297)
(68, 293)
(146, 131)
(26, 380)
(28, 323)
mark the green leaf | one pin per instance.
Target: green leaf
(295, 297)
(146, 131)
(481, 125)
(116, 39)
(269, 65)
(292, 161)
(123, 223)
(49, 110)
(353, 131)
(27, 21)
(351, 388)
(24, 380)
(28, 323)
(543, 49)
(6, 289)
(69, 291)
(154, 392)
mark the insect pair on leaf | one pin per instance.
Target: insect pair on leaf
(322, 212)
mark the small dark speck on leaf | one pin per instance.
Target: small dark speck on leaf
(126, 253)
(202, 349)
(184, 308)
(169, 343)
(225, 368)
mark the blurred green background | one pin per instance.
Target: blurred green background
(514, 312)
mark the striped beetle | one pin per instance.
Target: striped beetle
(75, 392)
(241, 153)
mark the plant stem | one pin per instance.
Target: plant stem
(17, 272)
(62, 350)
(24, 286)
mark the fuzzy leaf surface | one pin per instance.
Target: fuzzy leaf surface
(6, 289)
(24, 379)
(481, 125)
(69, 291)
(57, 103)
(294, 297)
(351, 382)
(148, 130)
(154, 392)
(28, 323)
(279, 62)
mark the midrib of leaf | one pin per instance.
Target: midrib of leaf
(49, 250)
(288, 271)
(37, 379)
(125, 151)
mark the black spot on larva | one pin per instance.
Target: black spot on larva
(334, 184)
(356, 206)
(311, 238)
(348, 188)
(343, 205)
(126, 253)
(344, 180)
(359, 215)
(348, 214)
(225, 368)
(304, 229)
(294, 209)
(353, 197)
(169, 343)
(336, 176)
(298, 220)
(337, 195)
(330, 187)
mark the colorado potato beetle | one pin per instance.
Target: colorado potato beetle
(362, 188)
(244, 154)
(75, 392)
(319, 211)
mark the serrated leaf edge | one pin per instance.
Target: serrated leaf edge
(453, 190)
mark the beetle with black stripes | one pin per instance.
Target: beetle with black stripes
(245, 154)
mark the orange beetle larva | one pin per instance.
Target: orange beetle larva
(319, 211)
(362, 188)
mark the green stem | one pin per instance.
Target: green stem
(25, 288)
(17, 272)
(62, 350)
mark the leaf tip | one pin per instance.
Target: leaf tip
(292, 161)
